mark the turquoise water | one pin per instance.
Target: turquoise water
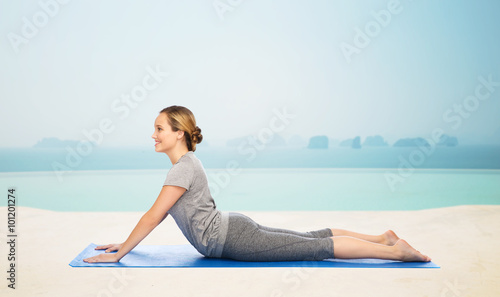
(460, 157)
(273, 189)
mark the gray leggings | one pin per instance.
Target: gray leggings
(249, 241)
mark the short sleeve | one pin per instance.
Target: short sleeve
(180, 175)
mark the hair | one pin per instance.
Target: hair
(181, 118)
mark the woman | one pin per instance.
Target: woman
(186, 196)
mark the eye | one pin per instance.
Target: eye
(159, 129)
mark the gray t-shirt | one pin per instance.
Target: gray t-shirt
(195, 212)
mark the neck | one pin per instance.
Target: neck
(175, 155)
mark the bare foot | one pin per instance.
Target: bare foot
(389, 238)
(408, 253)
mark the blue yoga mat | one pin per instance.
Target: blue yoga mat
(177, 256)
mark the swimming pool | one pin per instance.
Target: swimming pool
(273, 189)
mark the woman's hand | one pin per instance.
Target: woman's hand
(102, 258)
(105, 258)
(109, 247)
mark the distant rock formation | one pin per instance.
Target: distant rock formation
(351, 142)
(411, 142)
(318, 142)
(54, 142)
(356, 143)
(446, 140)
(376, 140)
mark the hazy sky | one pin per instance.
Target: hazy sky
(341, 68)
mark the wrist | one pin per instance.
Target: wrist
(117, 256)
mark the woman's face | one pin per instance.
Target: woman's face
(165, 138)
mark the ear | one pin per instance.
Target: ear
(180, 134)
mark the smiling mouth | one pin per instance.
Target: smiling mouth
(156, 143)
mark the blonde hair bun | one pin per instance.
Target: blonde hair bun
(196, 136)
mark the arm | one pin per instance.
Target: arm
(152, 218)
